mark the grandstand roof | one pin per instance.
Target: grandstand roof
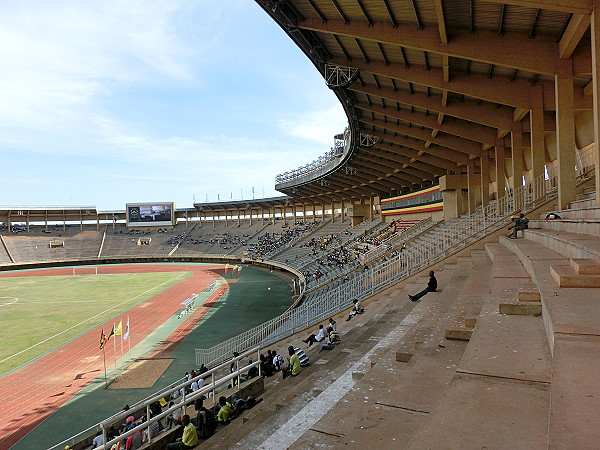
(430, 86)
(41, 213)
(262, 203)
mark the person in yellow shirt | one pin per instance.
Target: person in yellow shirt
(294, 368)
(224, 411)
(189, 438)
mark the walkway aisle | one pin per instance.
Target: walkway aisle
(291, 407)
(572, 319)
(500, 394)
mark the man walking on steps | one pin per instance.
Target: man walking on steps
(431, 287)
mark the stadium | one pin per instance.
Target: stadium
(465, 118)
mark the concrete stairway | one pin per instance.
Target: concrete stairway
(361, 376)
(564, 266)
(499, 393)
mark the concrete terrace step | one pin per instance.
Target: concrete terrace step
(518, 308)
(399, 406)
(504, 373)
(571, 245)
(565, 310)
(586, 266)
(289, 396)
(506, 264)
(583, 226)
(574, 421)
(377, 341)
(566, 276)
(572, 324)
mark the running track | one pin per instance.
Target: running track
(27, 400)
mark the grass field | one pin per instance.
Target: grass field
(40, 313)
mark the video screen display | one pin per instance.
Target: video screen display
(150, 214)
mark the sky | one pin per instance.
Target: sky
(108, 102)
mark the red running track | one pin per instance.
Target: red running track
(27, 400)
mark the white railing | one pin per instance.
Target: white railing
(439, 243)
(318, 163)
(388, 245)
(436, 244)
(217, 380)
(585, 159)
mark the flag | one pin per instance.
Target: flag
(126, 334)
(118, 331)
(103, 339)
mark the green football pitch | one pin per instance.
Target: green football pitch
(41, 313)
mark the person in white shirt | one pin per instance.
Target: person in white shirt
(98, 440)
(320, 336)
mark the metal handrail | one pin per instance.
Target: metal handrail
(317, 163)
(186, 399)
(388, 245)
(448, 238)
(438, 242)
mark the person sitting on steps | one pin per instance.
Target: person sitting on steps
(431, 287)
(320, 336)
(520, 223)
(332, 341)
(356, 309)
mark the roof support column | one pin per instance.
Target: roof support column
(595, 32)
(565, 132)
(451, 187)
(473, 186)
(538, 145)
(485, 180)
(516, 137)
(500, 172)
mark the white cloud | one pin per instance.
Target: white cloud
(76, 77)
(317, 125)
(61, 58)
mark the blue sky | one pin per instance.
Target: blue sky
(109, 102)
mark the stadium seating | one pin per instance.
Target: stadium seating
(525, 363)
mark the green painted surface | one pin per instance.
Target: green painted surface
(248, 303)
